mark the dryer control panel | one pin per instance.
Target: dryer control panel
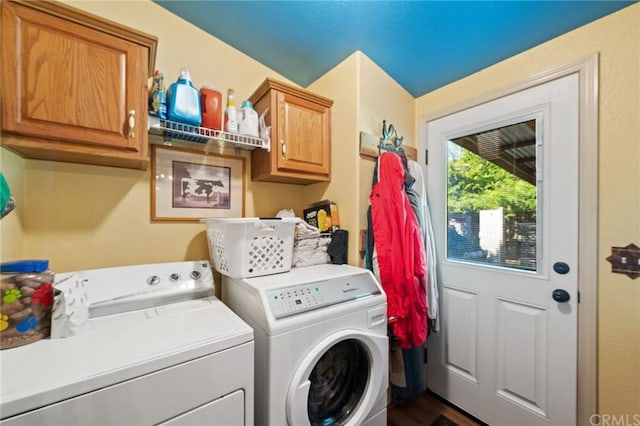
(293, 300)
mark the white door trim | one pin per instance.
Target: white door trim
(587, 70)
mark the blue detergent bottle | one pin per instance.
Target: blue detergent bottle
(183, 101)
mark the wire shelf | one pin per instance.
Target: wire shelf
(201, 135)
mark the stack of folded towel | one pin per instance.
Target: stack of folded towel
(310, 246)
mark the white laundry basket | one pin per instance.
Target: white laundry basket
(250, 247)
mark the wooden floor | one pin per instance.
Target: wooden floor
(426, 410)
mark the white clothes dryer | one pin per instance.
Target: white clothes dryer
(321, 345)
(158, 349)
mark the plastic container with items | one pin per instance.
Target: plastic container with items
(26, 302)
(250, 247)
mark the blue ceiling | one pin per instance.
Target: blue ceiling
(422, 45)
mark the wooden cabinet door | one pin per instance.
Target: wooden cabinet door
(80, 89)
(303, 136)
(300, 124)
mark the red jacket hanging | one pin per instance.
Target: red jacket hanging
(400, 251)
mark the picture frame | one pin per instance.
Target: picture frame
(188, 185)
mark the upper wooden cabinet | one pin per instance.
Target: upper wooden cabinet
(74, 86)
(300, 135)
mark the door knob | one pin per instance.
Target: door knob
(561, 268)
(560, 296)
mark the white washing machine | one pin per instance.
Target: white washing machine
(158, 349)
(321, 345)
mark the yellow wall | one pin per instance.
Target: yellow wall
(617, 38)
(363, 96)
(340, 84)
(81, 216)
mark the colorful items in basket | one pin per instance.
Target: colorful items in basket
(25, 303)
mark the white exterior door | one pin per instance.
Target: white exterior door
(506, 351)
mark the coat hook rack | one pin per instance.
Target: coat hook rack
(371, 145)
(390, 141)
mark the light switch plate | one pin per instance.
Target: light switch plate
(625, 260)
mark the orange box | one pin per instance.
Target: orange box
(323, 215)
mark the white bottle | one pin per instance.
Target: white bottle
(231, 114)
(248, 120)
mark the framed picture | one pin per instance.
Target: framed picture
(188, 185)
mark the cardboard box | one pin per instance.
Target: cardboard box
(323, 215)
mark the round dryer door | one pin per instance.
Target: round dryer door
(339, 381)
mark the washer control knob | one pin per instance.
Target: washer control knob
(153, 280)
(195, 275)
(174, 277)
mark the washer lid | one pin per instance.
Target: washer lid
(304, 275)
(283, 302)
(116, 348)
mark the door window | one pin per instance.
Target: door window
(338, 382)
(492, 197)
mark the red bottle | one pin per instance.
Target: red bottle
(211, 101)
